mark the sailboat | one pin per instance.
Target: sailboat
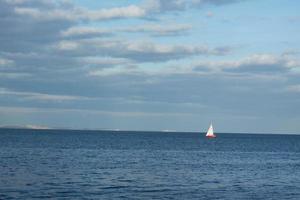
(210, 132)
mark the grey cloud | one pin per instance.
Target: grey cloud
(26, 41)
(160, 30)
(22, 33)
(14, 75)
(165, 5)
(32, 25)
(40, 61)
(45, 59)
(76, 13)
(214, 2)
(31, 34)
(104, 62)
(260, 66)
(141, 51)
(183, 88)
(40, 96)
(85, 32)
(119, 12)
(179, 5)
(34, 3)
(255, 64)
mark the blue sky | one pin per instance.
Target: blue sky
(151, 64)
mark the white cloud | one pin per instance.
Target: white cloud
(258, 66)
(67, 45)
(40, 96)
(253, 63)
(24, 110)
(113, 71)
(76, 13)
(179, 5)
(104, 61)
(153, 29)
(79, 31)
(29, 2)
(28, 11)
(137, 50)
(118, 12)
(160, 30)
(261, 59)
(14, 75)
(165, 5)
(53, 14)
(5, 62)
(68, 11)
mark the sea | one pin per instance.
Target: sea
(83, 164)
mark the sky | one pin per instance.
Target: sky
(151, 64)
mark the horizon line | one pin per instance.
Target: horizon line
(40, 128)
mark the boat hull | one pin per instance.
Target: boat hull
(211, 136)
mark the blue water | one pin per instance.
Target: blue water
(60, 164)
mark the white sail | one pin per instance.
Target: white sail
(210, 131)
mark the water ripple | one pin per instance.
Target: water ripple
(84, 165)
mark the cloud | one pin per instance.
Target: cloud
(87, 111)
(66, 11)
(160, 30)
(118, 12)
(164, 5)
(213, 2)
(56, 57)
(104, 62)
(117, 70)
(53, 10)
(67, 45)
(47, 15)
(73, 13)
(180, 5)
(40, 96)
(14, 75)
(260, 66)
(85, 32)
(23, 33)
(141, 51)
(32, 25)
(257, 63)
(48, 36)
(5, 62)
